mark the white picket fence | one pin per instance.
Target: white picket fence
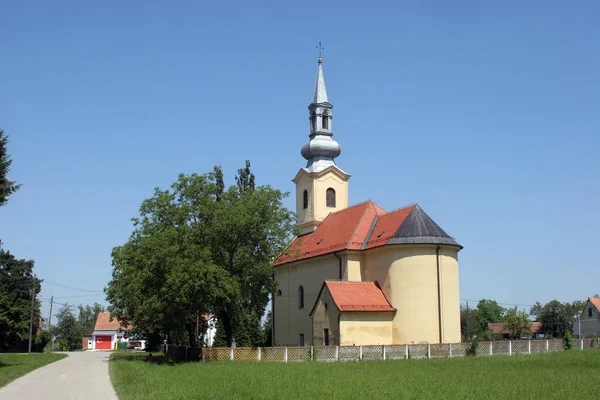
(389, 352)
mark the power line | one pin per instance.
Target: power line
(74, 288)
(72, 297)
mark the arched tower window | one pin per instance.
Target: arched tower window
(300, 297)
(325, 121)
(313, 122)
(305, 199)
(330, 197)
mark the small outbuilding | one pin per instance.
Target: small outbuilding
(107, 332)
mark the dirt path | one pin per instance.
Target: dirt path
(82, 375)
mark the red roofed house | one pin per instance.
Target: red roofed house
(107, 332)
(497, 328)
(360, 275)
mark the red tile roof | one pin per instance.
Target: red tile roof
(346, 229)
(386, 226)
(358, 296)
(498, 327)
(595, 301)
(103, 323)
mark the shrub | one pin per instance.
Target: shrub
(473, 345)
(568, 340)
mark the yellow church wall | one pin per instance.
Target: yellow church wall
(329, 180)
(290, 321)
(304, 215)
(326, 316)
(352, 265)
(450, 294)
(317, 183)
(366, 328)
(407, 275)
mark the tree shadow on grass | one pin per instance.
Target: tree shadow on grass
(155, 359)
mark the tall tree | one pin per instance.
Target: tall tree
(199, 249)
(87, 317)
(16, 283)
(245, 178)
(7, 187)
(535, 310)
(517, 323)
(67, 330)
(488, 311)
(555, 318)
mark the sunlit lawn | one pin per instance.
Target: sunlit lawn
(13, 366)
(564, 375)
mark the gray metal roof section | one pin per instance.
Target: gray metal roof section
(418, 228)
(103, 333)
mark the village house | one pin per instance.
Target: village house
(588, 320)
(107, 332)
(359, 275)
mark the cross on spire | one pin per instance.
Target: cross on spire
(321, 48)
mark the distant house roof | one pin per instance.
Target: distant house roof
(595, 301)
(536, 327)
(366, 226)
(104, 323)
(358, 296)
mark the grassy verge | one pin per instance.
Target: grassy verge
(561, 375)
(13, 366)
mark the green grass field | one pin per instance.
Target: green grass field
(561, 375)
(13, 366)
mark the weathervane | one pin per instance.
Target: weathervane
(321, 48)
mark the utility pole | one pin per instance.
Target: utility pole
(31, 320)
(50, 317)
(468, 321)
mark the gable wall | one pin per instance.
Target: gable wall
(326, 318)
(290, 321)
(590, 326)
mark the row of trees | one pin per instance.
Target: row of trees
(555, 317)
(201, 248)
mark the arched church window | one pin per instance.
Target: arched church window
(305, 199)
(278, 292)
(300, 297)
(330, 197)
(325, 121)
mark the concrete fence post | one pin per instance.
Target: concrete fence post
(383, 355)
(285, 355)
(231, 354)
(581, 344)
(529, 347)
(450, 350)
(510, 348)
(312, 353)
(259, 354)
(406, 352)
(491, 348)
(337, 353)
(428, 350)
(360, 353)
(547, 345)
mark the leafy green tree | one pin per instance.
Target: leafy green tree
(7, 187)
(488, 311)
(517, 323)
(87, 317)
(535, 310)
(468, 323)
(67, 331)
(555, 318)
(267, 326)
(199, 249)
(16, 283)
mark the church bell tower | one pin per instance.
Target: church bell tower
(321, 187)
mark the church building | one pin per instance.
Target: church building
(359, 275)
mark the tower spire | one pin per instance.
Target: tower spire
(321, 150)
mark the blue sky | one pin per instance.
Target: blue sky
(485, 113)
